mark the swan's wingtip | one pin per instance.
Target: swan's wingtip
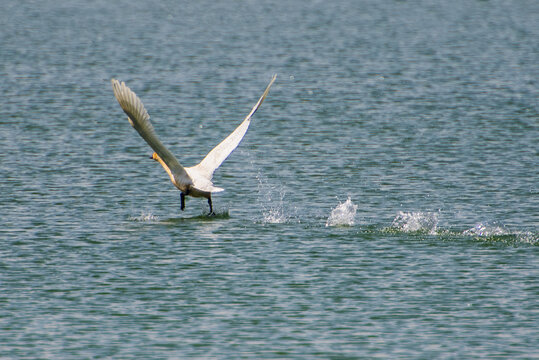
(272, 81)
(117, 83)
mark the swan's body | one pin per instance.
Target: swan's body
(193, 181)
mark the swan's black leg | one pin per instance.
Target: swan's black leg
(182, 199)
(211, 208)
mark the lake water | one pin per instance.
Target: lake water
(384, 203)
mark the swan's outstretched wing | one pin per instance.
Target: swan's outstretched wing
(140, 120)
(219, 153)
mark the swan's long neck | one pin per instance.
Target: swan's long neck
(158, 158)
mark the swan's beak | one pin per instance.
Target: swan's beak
(151, 157)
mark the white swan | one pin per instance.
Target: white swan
(193, 181)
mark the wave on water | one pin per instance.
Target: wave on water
(144, 217)
(343, 215)
(424, 222)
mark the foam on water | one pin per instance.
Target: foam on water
(416, 222)
(343, 215)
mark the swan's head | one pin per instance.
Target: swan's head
(155, 156)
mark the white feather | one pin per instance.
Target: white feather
(195, 180)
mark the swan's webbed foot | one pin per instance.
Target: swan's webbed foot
(182, 201)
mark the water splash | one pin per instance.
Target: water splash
(487, 230)
(271, 201)
(343, 215)
(144, 217)
(494, 231)
(218, 213)
(416, 222)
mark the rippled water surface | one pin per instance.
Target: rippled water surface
(384, 202)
